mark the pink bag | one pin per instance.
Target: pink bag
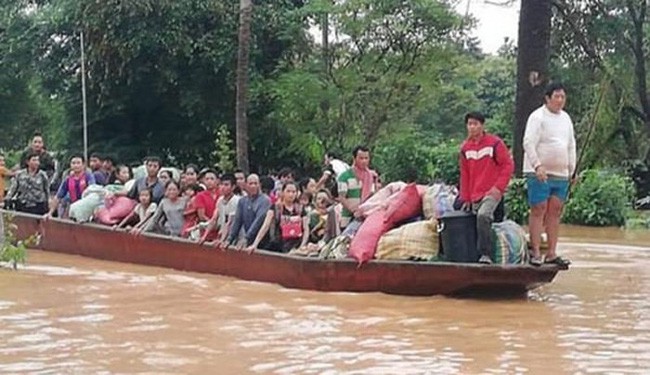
(406, 205)
(364, 243)
(113, 214)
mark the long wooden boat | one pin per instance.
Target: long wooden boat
(392, 277)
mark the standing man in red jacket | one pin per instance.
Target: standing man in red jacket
(485, 170)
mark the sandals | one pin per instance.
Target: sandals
(558, 261)
(536, 261)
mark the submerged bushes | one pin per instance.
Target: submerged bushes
(602, 198)
(12, 250)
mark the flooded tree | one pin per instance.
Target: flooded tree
(245, 15)
(532, 66)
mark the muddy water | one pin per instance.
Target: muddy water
(66, 314)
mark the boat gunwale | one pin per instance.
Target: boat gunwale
(263, 252)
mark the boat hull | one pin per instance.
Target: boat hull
(392, 277)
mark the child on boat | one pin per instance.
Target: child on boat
(141, 213)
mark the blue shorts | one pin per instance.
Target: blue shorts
(539, 192)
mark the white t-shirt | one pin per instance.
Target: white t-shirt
(226, 210)
(338, 167)
(549, 141)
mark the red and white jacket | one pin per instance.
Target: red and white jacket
(484, 164)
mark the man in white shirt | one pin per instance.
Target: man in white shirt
(549, 166)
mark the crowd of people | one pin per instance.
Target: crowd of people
(282, 213)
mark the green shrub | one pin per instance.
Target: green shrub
(12, 250)
(602, 198)
(516, 201)
(444, 156)
(414, 157)
(404, 157)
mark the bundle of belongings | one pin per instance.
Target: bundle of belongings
(99, 203)
(402, 223)
(509, 243)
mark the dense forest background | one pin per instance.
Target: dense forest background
(395, 75)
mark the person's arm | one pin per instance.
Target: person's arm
(154, 219)
(327, 174)
(61, 193)
(237, 223)
(90, 179)
(532, 135)
(46, 188)
(464, 177)
(13, 188)
(4, 172)
(126, 219)
(506, 168)
(200, 209)
(211, 224)
(260, 216)
(305, 231)
(268, 220)
(572, 154)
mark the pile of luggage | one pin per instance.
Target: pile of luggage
(418, 223)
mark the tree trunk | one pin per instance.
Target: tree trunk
(532, 67)
(245, 14)
(637, 44)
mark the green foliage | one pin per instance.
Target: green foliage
(638, 220)
(223, 154)
(404, 157)
(413, 157)
(516, 201)
(444, 155)
(602, 198)
(12, 250)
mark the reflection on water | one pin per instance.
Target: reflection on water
(65, 314)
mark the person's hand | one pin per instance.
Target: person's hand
(540, 173)
(466, 206)
(136, 231)
(494, 193)
(114, 227)
(47, 216)
(358, 214)
(251, 249)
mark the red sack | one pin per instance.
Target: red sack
(121, 207)
(406, 205)
(364, 243)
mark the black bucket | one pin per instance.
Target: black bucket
(458, 237)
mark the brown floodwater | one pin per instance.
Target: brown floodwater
(67, 314)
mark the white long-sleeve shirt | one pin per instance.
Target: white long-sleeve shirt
(549, 141)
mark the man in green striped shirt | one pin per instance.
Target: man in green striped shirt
(355, 185)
